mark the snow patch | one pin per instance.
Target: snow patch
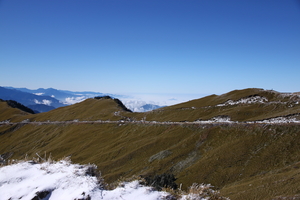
(275, 120)
(202, 192)
(279, 120)
(133, 190)
(63, 180)
(217, 119)
(291, 95)
(248, 100)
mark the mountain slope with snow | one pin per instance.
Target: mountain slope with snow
(64, 180)
(240, 105)
(260, 149)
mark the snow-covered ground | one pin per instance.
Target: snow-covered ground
(262, 100)
(62, 180)
(275, 120)
(279, 120)
(248, 100)
(217, 119)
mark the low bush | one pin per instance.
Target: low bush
(162, 181)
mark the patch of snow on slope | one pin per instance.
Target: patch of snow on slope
(279, 120)
(133, 190)
(291, 95)
(248, 100)
(217, 119)
(202, 192)
(63, 180)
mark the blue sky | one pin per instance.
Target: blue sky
(150, 46)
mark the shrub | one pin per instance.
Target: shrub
(15, 104)
(162, 181)
(103, 97)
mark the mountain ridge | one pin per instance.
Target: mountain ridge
(42, 103)
(230, 156)
(240, 105)
(28, 99)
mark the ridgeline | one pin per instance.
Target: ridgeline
(246, 143)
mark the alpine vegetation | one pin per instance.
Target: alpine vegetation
(229, 141)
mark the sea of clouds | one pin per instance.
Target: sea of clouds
(135, 102)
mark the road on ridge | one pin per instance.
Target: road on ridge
(122, 122)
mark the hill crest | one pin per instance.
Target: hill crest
(237, 158)
(239, 105)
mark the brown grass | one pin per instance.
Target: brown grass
(228, 157)
(242, 161)
(200, 191)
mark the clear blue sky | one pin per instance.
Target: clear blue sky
(150, 46)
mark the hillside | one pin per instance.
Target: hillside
(44, 100)
(11, 110)
(89, 109)
(239, 105)
(243, 160)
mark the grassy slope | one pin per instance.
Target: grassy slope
(9, 113)
(90, 109)
(205, 108)
(244, 161)
(230, 158)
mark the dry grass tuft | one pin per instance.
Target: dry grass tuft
(122, 180)
(200, 191)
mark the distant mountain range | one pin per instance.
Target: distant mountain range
(148, 107)
(44, 100)
(61, 95)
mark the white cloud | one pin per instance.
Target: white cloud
(47, 102)
(39, 94)
(72, 100)
(135, 101)
(44, 101)
(134, 105)
(172, 99)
